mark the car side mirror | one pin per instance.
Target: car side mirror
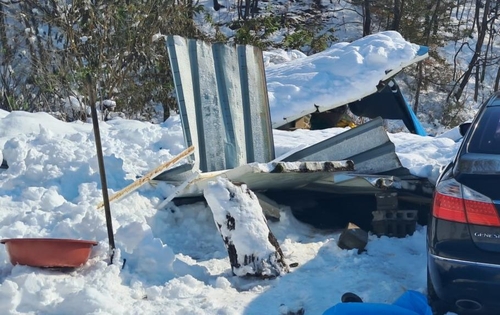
(463, 128)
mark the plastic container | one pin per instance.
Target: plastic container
(48, 252)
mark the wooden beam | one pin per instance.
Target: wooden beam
(149, 176)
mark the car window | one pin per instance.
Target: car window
(486, 137)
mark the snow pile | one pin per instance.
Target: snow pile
(341, 74)
(172, 259)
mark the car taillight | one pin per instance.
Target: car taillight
(456, 202)
(479, 208)
(448, 202)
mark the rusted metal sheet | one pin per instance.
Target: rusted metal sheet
(222, 96)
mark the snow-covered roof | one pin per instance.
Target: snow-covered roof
(344, 73)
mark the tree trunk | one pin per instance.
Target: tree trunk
(497, 80)
(396, 20)
(482, 28)
(6, 56)
(253, 250)
(419, 86)
(367, 18)
(431, 26)
(476, 85)
(6, 49)
(255, 8)
(217, 6)
(489, 47)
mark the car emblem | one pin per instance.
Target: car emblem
(487, 235)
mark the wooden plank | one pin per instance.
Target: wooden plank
(149, 176)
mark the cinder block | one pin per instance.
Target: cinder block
(398, 223)
(387, 201)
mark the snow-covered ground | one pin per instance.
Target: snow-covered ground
(176, 262)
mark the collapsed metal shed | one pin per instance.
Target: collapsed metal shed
(222, 95)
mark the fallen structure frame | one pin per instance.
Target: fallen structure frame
(222, 96)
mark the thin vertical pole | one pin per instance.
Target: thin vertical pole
(102, 172)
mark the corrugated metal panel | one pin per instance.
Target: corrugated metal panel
(222, 96)
(355, 184)
(368, 146)
(275, 175)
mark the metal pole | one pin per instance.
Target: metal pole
(102, 172)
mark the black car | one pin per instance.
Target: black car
(463, 240)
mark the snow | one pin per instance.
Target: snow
(227, 199)
(173, 260)
(341, 74)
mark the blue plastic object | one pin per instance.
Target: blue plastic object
(388, 103)
(419, 129)
(409, 303)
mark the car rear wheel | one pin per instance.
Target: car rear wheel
(438, 306)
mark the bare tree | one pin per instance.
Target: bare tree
(430, 24)
(247, 8)
(111, 40)
(482, 24)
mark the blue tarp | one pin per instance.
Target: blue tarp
(409, 303)
(388, 103)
